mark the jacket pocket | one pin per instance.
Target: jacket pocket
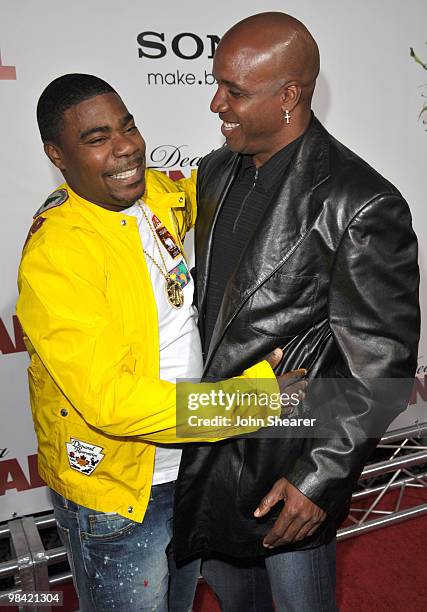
(79, 451)
(283, 305)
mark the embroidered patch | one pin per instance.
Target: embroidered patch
(83, 457)
(166, 238)
(37, 223)
(56, 198)
(181, 274)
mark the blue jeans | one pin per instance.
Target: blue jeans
(122, 565)
(300, 581)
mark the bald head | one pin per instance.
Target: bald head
(280, 44)
(266, 68)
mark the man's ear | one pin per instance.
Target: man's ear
(54, 153)
(290, 95)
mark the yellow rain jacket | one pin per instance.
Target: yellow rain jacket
(87, 308)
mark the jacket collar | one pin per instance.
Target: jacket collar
(280, 231)
(155, 196)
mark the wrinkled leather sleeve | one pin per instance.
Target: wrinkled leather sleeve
(374, 317)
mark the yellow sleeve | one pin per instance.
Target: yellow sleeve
(64, 312)
(255, 382)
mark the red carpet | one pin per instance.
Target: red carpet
(383, 571)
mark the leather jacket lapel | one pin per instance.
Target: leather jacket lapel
(280, 232)
(207, 215)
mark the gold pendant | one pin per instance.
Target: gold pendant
(174, 293)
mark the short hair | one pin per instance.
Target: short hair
(60, 95)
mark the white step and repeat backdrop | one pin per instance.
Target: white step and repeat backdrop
(158, 55)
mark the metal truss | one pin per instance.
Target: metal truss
(29, 566)
(404, 468)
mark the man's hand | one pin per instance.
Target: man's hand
(275, 357)
(291, 382)
(298, 519)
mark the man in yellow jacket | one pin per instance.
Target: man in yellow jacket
(106, 306)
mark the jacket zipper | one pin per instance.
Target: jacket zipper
(242, 205)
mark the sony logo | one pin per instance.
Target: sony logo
(185, 45)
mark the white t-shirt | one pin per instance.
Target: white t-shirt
(180, 347)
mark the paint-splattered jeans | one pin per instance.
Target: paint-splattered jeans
(121, 565)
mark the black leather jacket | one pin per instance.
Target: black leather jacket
(331, 276)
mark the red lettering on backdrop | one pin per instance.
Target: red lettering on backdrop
(12, 476)
(35, 480)
(6, 344)
(7, 73)
(419, 390)
(175, 175)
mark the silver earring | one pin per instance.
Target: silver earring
(287, 116)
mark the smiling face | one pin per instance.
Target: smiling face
(250, 100)
(101, 152)
(266, 65)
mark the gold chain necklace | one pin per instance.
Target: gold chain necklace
(173, 289)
